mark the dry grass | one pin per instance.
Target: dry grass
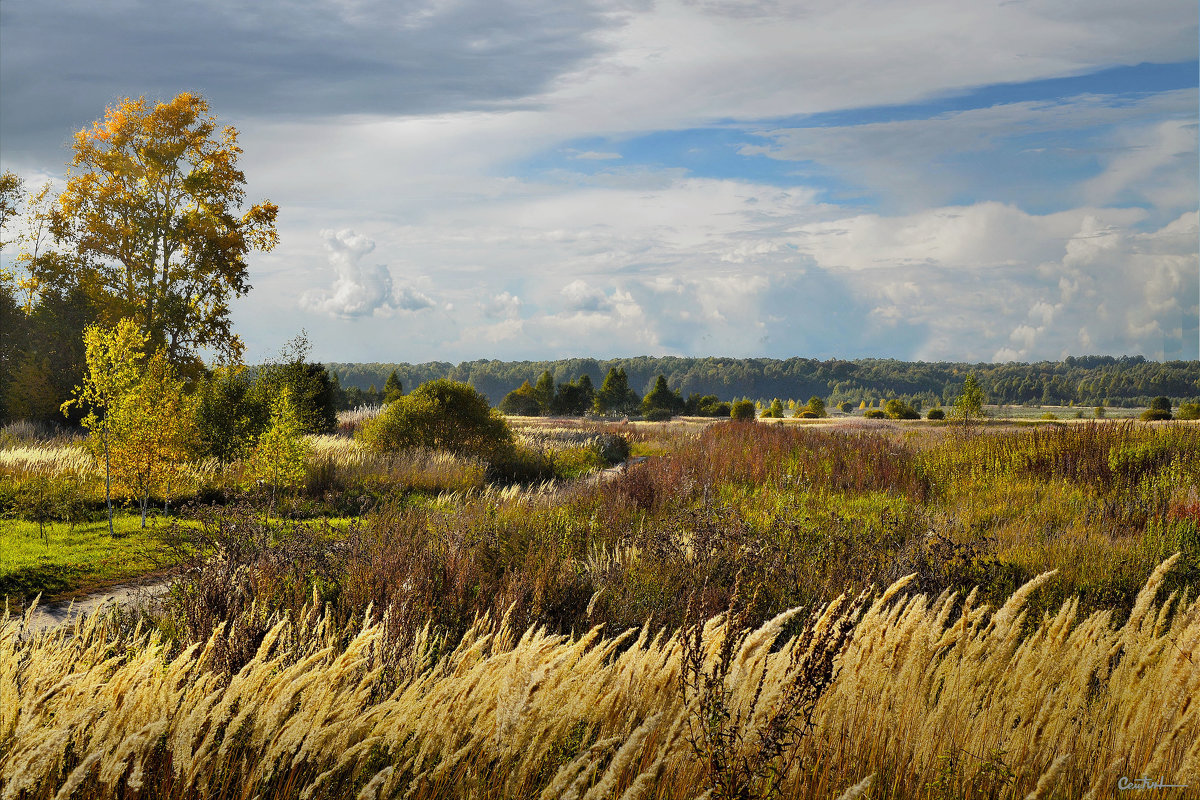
(341, 462)
(935, 698)
(48, 460)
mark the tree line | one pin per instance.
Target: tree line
(1115, 381)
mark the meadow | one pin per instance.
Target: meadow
(876, 609)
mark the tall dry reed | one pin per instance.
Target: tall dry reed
(934, 697)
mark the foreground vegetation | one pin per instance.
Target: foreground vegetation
(910, 696)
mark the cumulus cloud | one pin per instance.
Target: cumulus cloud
(359, 290)
(582, 297)
(504, 305)
(990, 282)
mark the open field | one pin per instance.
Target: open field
(638, 636)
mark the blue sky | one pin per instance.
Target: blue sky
(464, 179)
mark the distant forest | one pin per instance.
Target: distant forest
(1125, 381)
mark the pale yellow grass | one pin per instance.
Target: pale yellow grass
(926, 697)
(418, 468)
(47, 460)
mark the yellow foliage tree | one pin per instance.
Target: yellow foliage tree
(279, 457)
(114, 359)
(154, 426)
(153, 209)
(141, 422)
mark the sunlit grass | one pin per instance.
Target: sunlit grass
(57, 558)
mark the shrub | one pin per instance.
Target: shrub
(521, 402)
(1188, 411)
(441, 415)
(1161, 404)
(898, 409)
(1155, 415)
(935, 413)
(742, 410)
(806, 414)
(874, 413)
(775, 411)
(846, 407)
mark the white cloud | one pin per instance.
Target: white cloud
(918, 162)
(1155, 162)
(582, 297)
(359, 290)
(504, 305)
(596, 155)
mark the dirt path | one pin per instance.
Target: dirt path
(52, 615)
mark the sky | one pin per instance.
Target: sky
(536, 179)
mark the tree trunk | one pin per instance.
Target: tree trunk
(108, 483)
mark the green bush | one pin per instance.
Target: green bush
(442, 415)
(898, 409)
(874, 413)
(806, 414)
(1155, 415)
(743, 411)
(1188, 411)
(521, 402)
(935, 413)
(775, 411)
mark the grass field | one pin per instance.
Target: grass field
(58, 559)
(651, 635)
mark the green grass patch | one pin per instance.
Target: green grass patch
(59, 559)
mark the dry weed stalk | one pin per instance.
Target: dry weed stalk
(923, 684)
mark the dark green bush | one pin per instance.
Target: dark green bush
(935, 413)
(743, 411)
(898, 409)
(442, 415)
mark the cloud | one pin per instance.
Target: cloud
(992, 282)
(502, 306)
(358, 290)
(594, 155)
(284, 59)
(410, 120)
(702, 266)
(1029, 152)
(582, 297)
